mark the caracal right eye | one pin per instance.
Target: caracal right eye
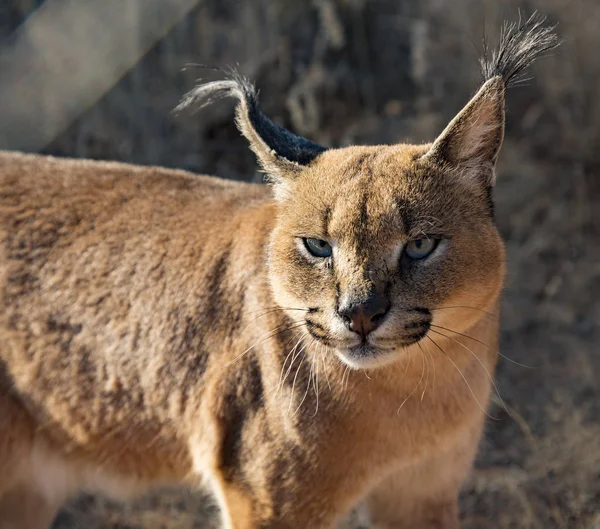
(318, 247)
(419, 249)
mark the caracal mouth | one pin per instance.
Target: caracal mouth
(368, 356)
(365, 353)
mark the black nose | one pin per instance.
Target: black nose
(366, 316)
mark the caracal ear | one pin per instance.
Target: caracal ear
(473, 138)
(281, 154)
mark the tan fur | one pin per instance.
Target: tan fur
(160, 327)
(123, 317)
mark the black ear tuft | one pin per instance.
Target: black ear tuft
(473, 138)
(520, 45)
(277, 149)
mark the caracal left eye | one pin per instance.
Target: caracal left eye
(420, 248)
(318, 248)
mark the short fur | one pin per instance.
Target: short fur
(159, 327)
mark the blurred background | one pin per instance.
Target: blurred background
(99, 79)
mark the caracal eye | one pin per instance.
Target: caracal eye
(318, 248)
(420, 248)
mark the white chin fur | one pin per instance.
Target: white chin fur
(370, 359)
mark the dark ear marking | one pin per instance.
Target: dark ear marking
(520, 45)
(279, 151)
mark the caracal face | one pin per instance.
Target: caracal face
(383, 229)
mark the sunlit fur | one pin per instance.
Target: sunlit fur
(159, 327)
(368, 202)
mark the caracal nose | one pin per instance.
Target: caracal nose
(364, 317)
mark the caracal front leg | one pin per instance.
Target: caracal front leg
(245, 510)
(424, 495)
(394, 505)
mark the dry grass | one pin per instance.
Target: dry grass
(360, 71)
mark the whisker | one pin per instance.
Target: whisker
(294, 386)
(291, 353)
(467, 307)
(275, 308)
(294, 360)
(484, 344)
(316, 388)
(433, 362)
(514, 361)
(346, 371)
(274, 332)
(310, 377)
(482, 365)
(323, 350)
(279, 384)
(408, 364)
(463, 377)
(296, 354)
(427, 376)
(414, 389)
(266, 313)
